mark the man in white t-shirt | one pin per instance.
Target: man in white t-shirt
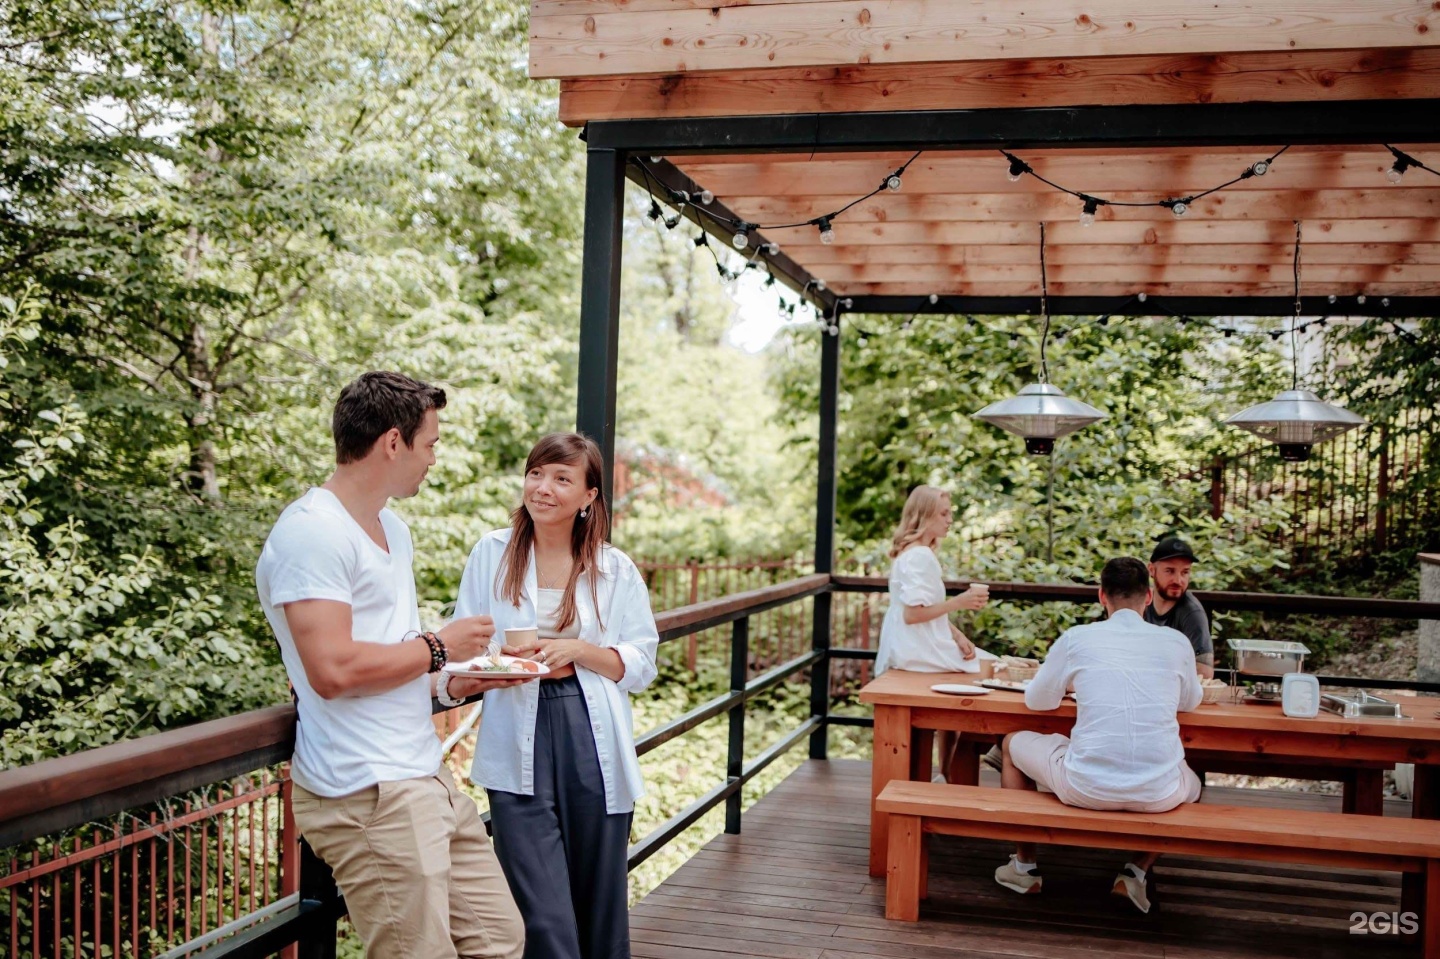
(371, 796)
(1130, 678)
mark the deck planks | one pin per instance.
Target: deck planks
(794, 885)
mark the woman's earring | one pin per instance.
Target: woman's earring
(583, 513)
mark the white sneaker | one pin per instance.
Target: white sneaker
(994, 759)
(1025, 883)
(1131, 888)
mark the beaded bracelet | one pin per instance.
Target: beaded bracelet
(439, 655)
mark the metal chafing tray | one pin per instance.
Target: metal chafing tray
(1355, 703)
(1268, 657)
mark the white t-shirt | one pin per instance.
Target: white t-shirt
(318, 551)
(916, 580)
(1130, 679)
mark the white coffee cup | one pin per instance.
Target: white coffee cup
(522, 635)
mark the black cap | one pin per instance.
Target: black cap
(1172, 547)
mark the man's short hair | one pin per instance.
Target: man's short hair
(1125, 577)
(376, 403)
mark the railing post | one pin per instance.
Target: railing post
(1217, 487)
(317, 884)
(735, 757)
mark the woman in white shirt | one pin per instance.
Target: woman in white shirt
(916, 633)
(557, 757)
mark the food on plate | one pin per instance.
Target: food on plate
(1213, 682)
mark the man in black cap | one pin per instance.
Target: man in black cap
(1173, 604)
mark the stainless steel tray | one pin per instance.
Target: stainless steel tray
(1358, 703)
(1268, 657)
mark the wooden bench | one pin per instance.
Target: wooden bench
(1408, 846)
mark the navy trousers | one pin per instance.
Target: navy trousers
(563, 855)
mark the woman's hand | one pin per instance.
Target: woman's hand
(554, 653)
(967, 648)
(973, 598)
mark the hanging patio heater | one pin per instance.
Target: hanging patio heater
(1296, 419)
(1041, 413)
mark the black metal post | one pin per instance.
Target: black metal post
(825, 534)
(600, 304)
(317, 885)
(735, 758)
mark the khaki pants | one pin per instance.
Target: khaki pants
(417, 871)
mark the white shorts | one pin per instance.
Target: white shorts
(1042, 758)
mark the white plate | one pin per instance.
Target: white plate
(960, 689)
(1009, 685)
(474, 668)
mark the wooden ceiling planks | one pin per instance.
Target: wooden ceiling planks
(959, 226)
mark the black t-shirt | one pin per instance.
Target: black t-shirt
(1188, 616)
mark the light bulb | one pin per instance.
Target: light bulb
(740, 240)
(1087, 218)
(706, 197)
(671, 222)
(820, 285)
(1360, 299)
(1017, 169)
(1385, 301)
(772, 248)
(1395, 174)
(827, 232)
(1330, 298)
(1142, 297)
(1261, 167)
(1014, 175)
(1179, 208)
(934, 298)
(848, 302)
(833, 330)
(892, 183)
(656, 159)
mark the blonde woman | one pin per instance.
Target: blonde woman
(917, 633)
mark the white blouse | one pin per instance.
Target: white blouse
(505, 752)
(916, 580)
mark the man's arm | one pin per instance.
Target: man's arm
(1047, 689)
(1193, 622)
(337, 664)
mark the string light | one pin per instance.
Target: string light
(827, 232)
(741, 239)
(1403, 162)
(1179, 206)
(892, 183)
(706, 197)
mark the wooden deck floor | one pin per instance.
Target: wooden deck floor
(794, 886)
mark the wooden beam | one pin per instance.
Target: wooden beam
(1076, 254)
(1124, 290)
(607, 39)
(1142, 232)
(1398, 74)
(1418, 203)
(1162, 174)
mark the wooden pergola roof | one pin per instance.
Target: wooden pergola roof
(959, 227)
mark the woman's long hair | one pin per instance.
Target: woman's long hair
(920, 509)
(587, 537)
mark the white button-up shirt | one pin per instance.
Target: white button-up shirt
(1130, 679)
(505, 752)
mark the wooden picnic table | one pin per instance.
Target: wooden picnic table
(908, 714)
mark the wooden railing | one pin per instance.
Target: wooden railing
(61, 794)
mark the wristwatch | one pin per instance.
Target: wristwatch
(442, 693)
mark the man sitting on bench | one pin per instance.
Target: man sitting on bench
(1130, 679)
